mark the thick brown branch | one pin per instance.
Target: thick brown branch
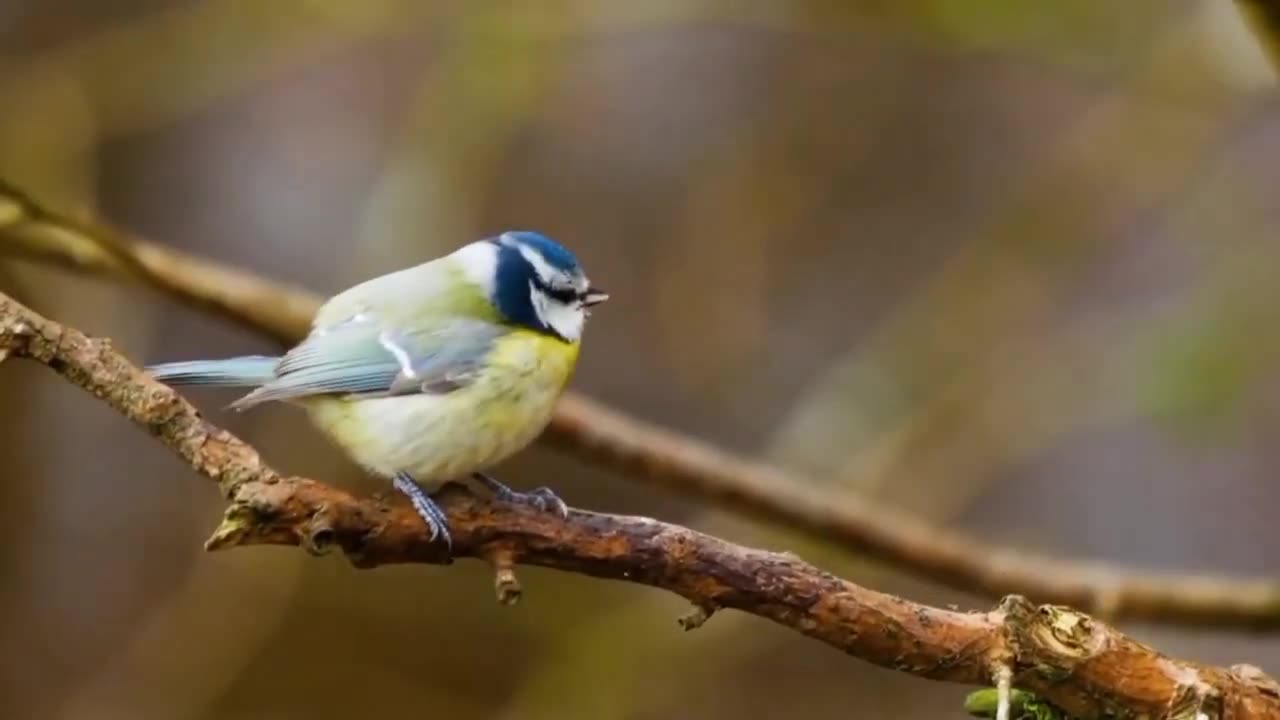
(1080, 664)
(645, 452)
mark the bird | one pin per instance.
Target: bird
(435, 372)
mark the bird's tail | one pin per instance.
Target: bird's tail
(247, 371)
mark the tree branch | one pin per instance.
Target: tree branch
(1081, 665)
(644, 452)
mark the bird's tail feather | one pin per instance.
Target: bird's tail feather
(247, 371)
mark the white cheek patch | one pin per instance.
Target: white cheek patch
(565, 320)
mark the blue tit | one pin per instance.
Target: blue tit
(435, 372)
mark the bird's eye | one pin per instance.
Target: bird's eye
(563, 295)
(560, 294)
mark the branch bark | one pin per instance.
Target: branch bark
(644, 452)
(1080, 664)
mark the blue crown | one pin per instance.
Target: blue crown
(556, 255)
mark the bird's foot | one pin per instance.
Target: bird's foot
(427, 508)
(543, 498)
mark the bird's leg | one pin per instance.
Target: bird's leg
(543, 498)
(427, 508)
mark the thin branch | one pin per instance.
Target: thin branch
(277, 310)
(1080, 664)
(642, 451)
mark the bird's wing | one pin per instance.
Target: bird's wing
(363, 356)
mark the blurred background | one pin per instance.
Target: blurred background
(1010, 266)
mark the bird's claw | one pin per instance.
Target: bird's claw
(436, 529)
(427, 509)
(543, 498)
(546, 500)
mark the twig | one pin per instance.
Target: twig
(1004, 687)
(30, 229)
(642, 451)
(1079, 664)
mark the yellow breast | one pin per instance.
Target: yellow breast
(449, 436)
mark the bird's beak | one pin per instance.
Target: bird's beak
(594, 296)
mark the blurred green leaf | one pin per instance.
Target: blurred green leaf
(1022, 705)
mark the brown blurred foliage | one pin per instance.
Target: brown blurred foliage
(1008, 265)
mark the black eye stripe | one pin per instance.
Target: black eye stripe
(564, 295)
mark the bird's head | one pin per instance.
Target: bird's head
(533, 281)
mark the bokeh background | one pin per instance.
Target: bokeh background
(1011, 266)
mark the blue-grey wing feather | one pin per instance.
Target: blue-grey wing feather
(368, 358)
